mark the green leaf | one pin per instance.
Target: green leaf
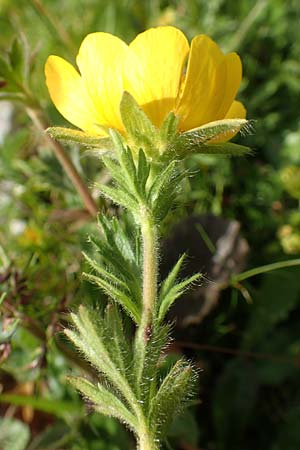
(117, 295)
(175, 292)
(5, 69)
(146, 373)
(14, 434)
(116, 340)
(88, 338)
(80, 137)
(169, 282)
(173, 394)
(141, 132)
(51, 406)
(105, 401)
(19, 60)
(120, 197)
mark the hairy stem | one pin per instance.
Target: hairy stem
(149, 293)
(149, 272)
(146, 440)
(41, 124)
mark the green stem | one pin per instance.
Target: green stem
(149, 293)
(263, 269)
(146, 441)
(149, 272)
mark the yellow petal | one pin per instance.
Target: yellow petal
(153, 70)
(210, 85)
(232, 67)
(69, 95)
(236, 111)
(100, 61)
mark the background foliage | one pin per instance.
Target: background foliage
(249, 345)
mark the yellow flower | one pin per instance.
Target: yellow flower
(159, 69)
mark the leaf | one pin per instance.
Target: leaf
(58, 408)
(104, 401)
(145, 373)
(169, 282)
(175, 292)
(88, 338)
(173, 394)
(117, 295)
(80, 137)
(14, 434)
(19, 59)
(116, 340)
(120, 197)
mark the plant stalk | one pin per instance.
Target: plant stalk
(150, 264)
(146, 441)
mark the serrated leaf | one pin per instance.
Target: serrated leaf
(104, 401)
(171, 397)
(80, 137)
(141, 132)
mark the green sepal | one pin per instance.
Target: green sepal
(225, 149)
(104, 401)
(171, 398)
(168, 130)
(193, 140)
(140, 130)
(71, 135)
